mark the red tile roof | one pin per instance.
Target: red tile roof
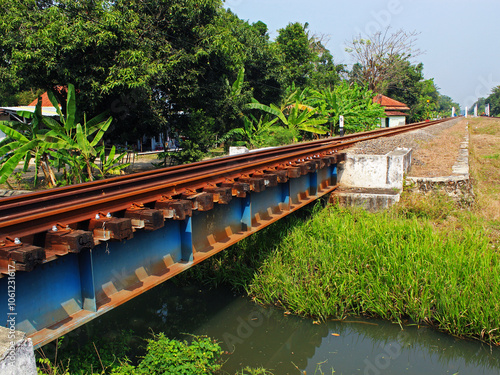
(45, 101)
(395, 113)
(45, 98)
(389, 103)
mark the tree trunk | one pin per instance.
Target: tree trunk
(48, 172)
(89, 171)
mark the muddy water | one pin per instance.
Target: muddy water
(284, 344)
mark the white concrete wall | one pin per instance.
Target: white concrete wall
(397, 121)
(376, 171)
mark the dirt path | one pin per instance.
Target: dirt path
(437, 157)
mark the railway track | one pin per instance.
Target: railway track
(27, 221)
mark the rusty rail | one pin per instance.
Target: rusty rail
(28, 214)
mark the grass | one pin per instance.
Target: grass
(386, 265)
(494, 156)
(424, 261)
(401, 265)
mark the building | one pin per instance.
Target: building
(13, 113)
(393, 111)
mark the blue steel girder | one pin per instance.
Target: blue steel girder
(61, 295)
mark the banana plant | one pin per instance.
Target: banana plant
(111, 164)
(74, 143)
(296, 116)
(254, 131)
(25, 141)
(76, 147)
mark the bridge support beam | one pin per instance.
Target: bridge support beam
(68, 291)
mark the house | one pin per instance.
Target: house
(12, 113)
(393, 111)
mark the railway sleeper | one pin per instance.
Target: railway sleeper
(281, 175)
(200, 201)
(238, 189)
(293, 171)
(145, 218)
(257, 184)
(111, 228)
(270, 178)
(222, 195)
(22, 257)
(68, 241)
(176, 209)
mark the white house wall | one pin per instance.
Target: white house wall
(396, 121)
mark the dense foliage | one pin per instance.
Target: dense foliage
(70, 145)
(493, 100)
(170, 67)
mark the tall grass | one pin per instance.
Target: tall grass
(398, 265)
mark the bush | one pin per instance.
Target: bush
(165, 356)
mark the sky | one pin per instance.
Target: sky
(458, 37)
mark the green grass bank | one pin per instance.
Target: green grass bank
(418, 264)
(425, 261)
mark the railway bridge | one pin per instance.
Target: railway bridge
(70, 254)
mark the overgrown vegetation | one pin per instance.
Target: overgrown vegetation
(70, 146)
(485, 168)
(163, 356)
(414, 263)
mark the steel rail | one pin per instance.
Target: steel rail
(58, 193)
(33, 213)
(69, 191)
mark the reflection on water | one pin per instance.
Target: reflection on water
(285, 344)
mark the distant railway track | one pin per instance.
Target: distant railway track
(25, 218)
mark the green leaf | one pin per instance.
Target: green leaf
(238, 84)
(11, 164)
(70, 108)
(55, 103)
(14, 134)
(81, 139)
(103, 128)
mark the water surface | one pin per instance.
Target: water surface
(286, 344)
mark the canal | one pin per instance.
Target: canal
(285, 344)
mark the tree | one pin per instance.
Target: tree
(381, 57)
(293, 46)
(494, 101)
(445, 104)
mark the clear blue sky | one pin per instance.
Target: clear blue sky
(460, 38)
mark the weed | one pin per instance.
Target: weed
(494, 156)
